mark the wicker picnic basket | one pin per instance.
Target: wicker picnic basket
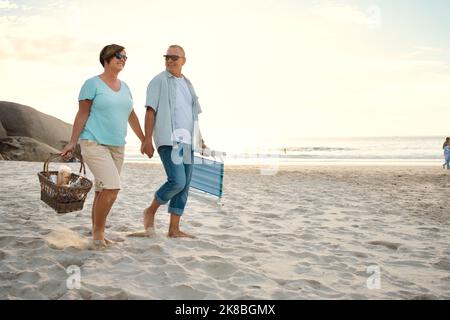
(64, 199)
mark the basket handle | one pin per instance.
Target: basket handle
(58, 155)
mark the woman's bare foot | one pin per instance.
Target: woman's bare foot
(98, 244)
(109, 241)
(179, 234)
(149, 218)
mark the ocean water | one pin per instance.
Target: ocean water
(366, 150)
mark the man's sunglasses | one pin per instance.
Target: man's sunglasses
(120, 56)
(173, 57)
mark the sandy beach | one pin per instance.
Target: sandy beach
(305, 233)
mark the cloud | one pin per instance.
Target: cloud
(429, 49)
(346, 14)
(7, 5)
(43, 35)
(58, 49)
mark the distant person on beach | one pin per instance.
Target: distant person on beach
(446, 147)
(105, 108)
(172, 121)
(446, 142)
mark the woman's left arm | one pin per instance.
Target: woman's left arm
(135, 125)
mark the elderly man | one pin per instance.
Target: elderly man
(172, 121)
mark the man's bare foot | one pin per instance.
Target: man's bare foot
(179, 234)
(148, 233)
(149, 218)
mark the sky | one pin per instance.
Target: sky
(265, 71)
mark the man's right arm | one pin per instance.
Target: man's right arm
(147, 145)
(151, 103)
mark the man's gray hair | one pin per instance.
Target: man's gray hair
(179, 47)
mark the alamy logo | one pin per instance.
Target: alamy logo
(74, 279)
(374, 19)
(374, 281)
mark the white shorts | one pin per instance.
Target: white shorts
(105, 163)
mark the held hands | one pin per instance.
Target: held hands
(67, 152)
(147, 147)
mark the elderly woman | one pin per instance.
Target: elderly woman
(105, 108)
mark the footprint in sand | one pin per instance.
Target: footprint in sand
(390, 245)
(63, 238)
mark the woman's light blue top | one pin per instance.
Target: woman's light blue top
(110, 110)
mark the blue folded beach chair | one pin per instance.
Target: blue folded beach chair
(207, 173)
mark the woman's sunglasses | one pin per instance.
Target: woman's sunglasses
(120, 56)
